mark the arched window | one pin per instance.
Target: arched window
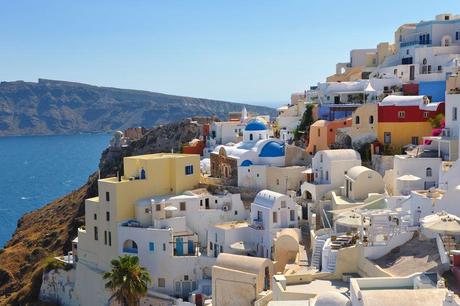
(251, 137)
(357, 119)
(424, 61)
(142, 174)
(429, 172)
(130, 246)
(371, 119)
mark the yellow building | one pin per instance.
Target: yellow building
(144, 176)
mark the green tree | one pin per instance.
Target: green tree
(307, 120)
(436, 121)
(127, 280)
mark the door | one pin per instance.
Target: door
(186, 289)
(179, 246)
(206, 203)
(284, 218)
(191, 249)
(412, 72)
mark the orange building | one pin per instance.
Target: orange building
(322, 134)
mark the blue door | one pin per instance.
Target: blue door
(191, 249)
(179, 246)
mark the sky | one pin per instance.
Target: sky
(240, 50)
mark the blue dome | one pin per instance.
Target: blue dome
(246, 163)
(272, 149)
(255, 125)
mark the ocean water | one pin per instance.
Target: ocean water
(38, 169)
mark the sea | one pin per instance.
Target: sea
(35, 170)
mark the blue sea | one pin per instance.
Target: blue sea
(38, 169)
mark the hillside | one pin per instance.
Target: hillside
(59, 107)
(49, 230)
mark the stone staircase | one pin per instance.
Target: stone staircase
(331, 261)
(317, 251)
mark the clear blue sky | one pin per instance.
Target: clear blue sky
(245, 51)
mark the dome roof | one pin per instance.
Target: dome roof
(246, 163)
(272, 149)
(332, 299)
(255, 125)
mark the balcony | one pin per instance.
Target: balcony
(414, 42)
(257, 224)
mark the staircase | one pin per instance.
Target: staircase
(331, 261)
(316, 255)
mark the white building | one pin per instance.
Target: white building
(289, 116)
(412, 173)
(168, 234)
(328, 169)
(271, 212)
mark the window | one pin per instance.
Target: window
(395, 72)
(151, 246)
(158, 207)
(321, 158)
(107, 196)
(221, 249)
(236, 212)
(327, 175)
(454, 114)
(292, 215)
(371, 119)
(319, 132)
(275, 217)
(260, 136)
(277, 181)
(401, 114)
(283, 204)
(439, 68)
(426, 114)
(387, 138)
(189, 170)
(201, 202)
(107, 215)
(95, 216)
(182, 206)
(429, 172)
(185, 277)
(161, 282)
(105, 237)
(96, 237)
(457, 35)
(351, 184)
(357, 120)
(251, 137)
(164, 246)
(210, 246)
(110, 238)
(414, 140)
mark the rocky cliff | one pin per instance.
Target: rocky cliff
(58, 107)
(48, 231)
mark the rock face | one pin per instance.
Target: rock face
(58, 107)
(49, 230)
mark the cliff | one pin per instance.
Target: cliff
(48, 231)
(59, 107)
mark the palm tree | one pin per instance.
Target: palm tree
(128, 280)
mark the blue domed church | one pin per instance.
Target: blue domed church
(256, 149)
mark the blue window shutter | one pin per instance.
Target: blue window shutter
(151, 246)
